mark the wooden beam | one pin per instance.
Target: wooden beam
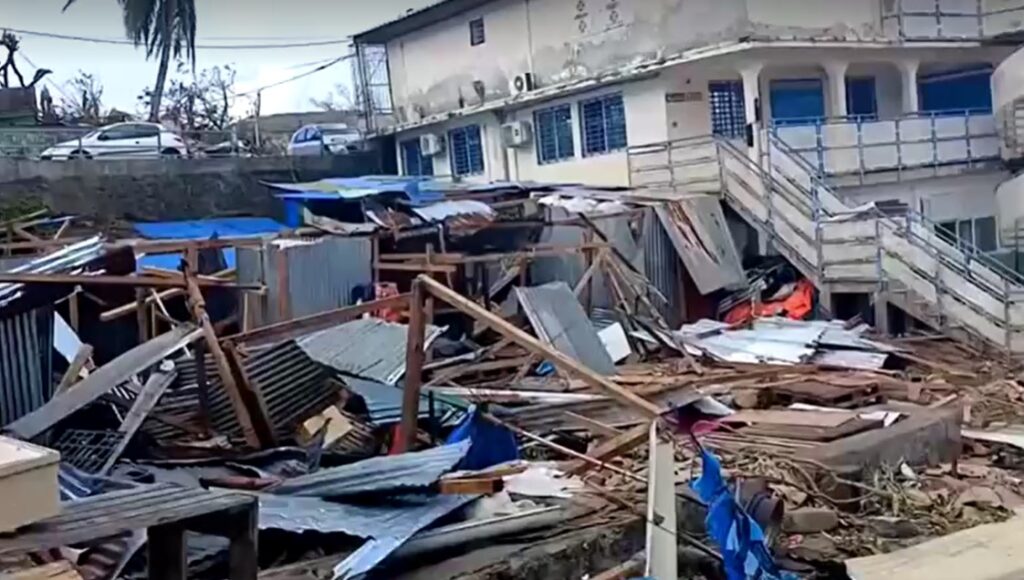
(198, 305)
(105, 280)
(74, 369)
(155, 387)
(414, 357)
(561, 361)
(415, 267)
(283, 330)
(614, 447)
(127, 309)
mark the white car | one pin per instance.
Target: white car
(120, 140)
(325, 139)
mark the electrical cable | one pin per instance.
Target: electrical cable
(126, 42)
(296, 77)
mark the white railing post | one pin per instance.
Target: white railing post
(1008, 325)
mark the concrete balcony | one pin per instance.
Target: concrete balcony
(865, 150)
(952, 19)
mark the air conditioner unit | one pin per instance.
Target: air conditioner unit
(431, 145)
(517, 134)
(522, 83)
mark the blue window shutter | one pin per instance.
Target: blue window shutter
(728, 109)
(604, 124)
(797, 101)
(861, 101)
(466, 150)
(957, 92)
(554, 139)
(411, 157)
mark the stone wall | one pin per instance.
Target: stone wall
(164, 189)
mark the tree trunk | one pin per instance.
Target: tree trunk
(161, 79)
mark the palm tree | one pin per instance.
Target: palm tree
(167, 27)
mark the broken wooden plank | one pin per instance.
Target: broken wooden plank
(308, 324)
(102, 380)
(106, 280)
(198, 305)
(535, 346)
(74, 371)
(614, 447)
(155, 387)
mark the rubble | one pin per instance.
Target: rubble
(451, 394)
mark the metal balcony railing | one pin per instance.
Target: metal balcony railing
(952, 19)
(857, 146)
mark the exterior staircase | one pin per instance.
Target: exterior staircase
(902, 259)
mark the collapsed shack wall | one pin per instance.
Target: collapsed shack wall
(164, 189)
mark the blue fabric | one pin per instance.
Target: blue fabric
(491, 444)
(741, 540)
(237, 227)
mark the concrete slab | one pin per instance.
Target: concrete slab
(989, 552)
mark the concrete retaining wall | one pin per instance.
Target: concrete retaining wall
(164, 189)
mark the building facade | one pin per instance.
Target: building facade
(906, 102)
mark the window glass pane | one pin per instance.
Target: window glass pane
(965, 231)
(467, 155)
(728, 110)
(477, 35)
(554, 137)
(797, 101)
(604, 124)
(947, 231)
(957, 91)
(860, 98)
(615, 119)
(985, 234)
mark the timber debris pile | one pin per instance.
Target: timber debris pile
(464, 383)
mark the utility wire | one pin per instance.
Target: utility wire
(125, 42)
(296, 77)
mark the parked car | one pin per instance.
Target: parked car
(120, 140)
(325, 139)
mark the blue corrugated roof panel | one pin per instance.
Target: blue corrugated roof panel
(234, 227)
(417, 190)
(394, 474)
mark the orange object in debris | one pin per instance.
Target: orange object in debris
(387, 290)
(796, 306)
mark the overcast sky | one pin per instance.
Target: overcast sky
(124, 71)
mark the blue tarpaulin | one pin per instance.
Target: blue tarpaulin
(233, 227)
(491, 444)
(744, 552)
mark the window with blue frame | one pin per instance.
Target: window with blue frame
(728, 110)
(797, 101)
(466, 150)
(554, 134)
(604, 125)
(957, 91)
(413, 160)
(861, 99)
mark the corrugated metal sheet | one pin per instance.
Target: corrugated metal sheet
(386, 527)
(384, 402)
(438, 212)
(304, 277)
(368, 348)
(559, 319)
(26, 363)
(290, 385)
(394, 474)
(64, 260)
(663, 267)
(699, 232)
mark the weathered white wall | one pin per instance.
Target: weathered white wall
(841, 19)
(940, 198)
(433, 69)
(1010, 204)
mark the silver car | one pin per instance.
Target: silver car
(325, 139)
(120, 140)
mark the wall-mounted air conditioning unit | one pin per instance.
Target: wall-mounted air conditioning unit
(517, 134)
(431, 145)
(522, 83)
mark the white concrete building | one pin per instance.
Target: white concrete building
(842, 102)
